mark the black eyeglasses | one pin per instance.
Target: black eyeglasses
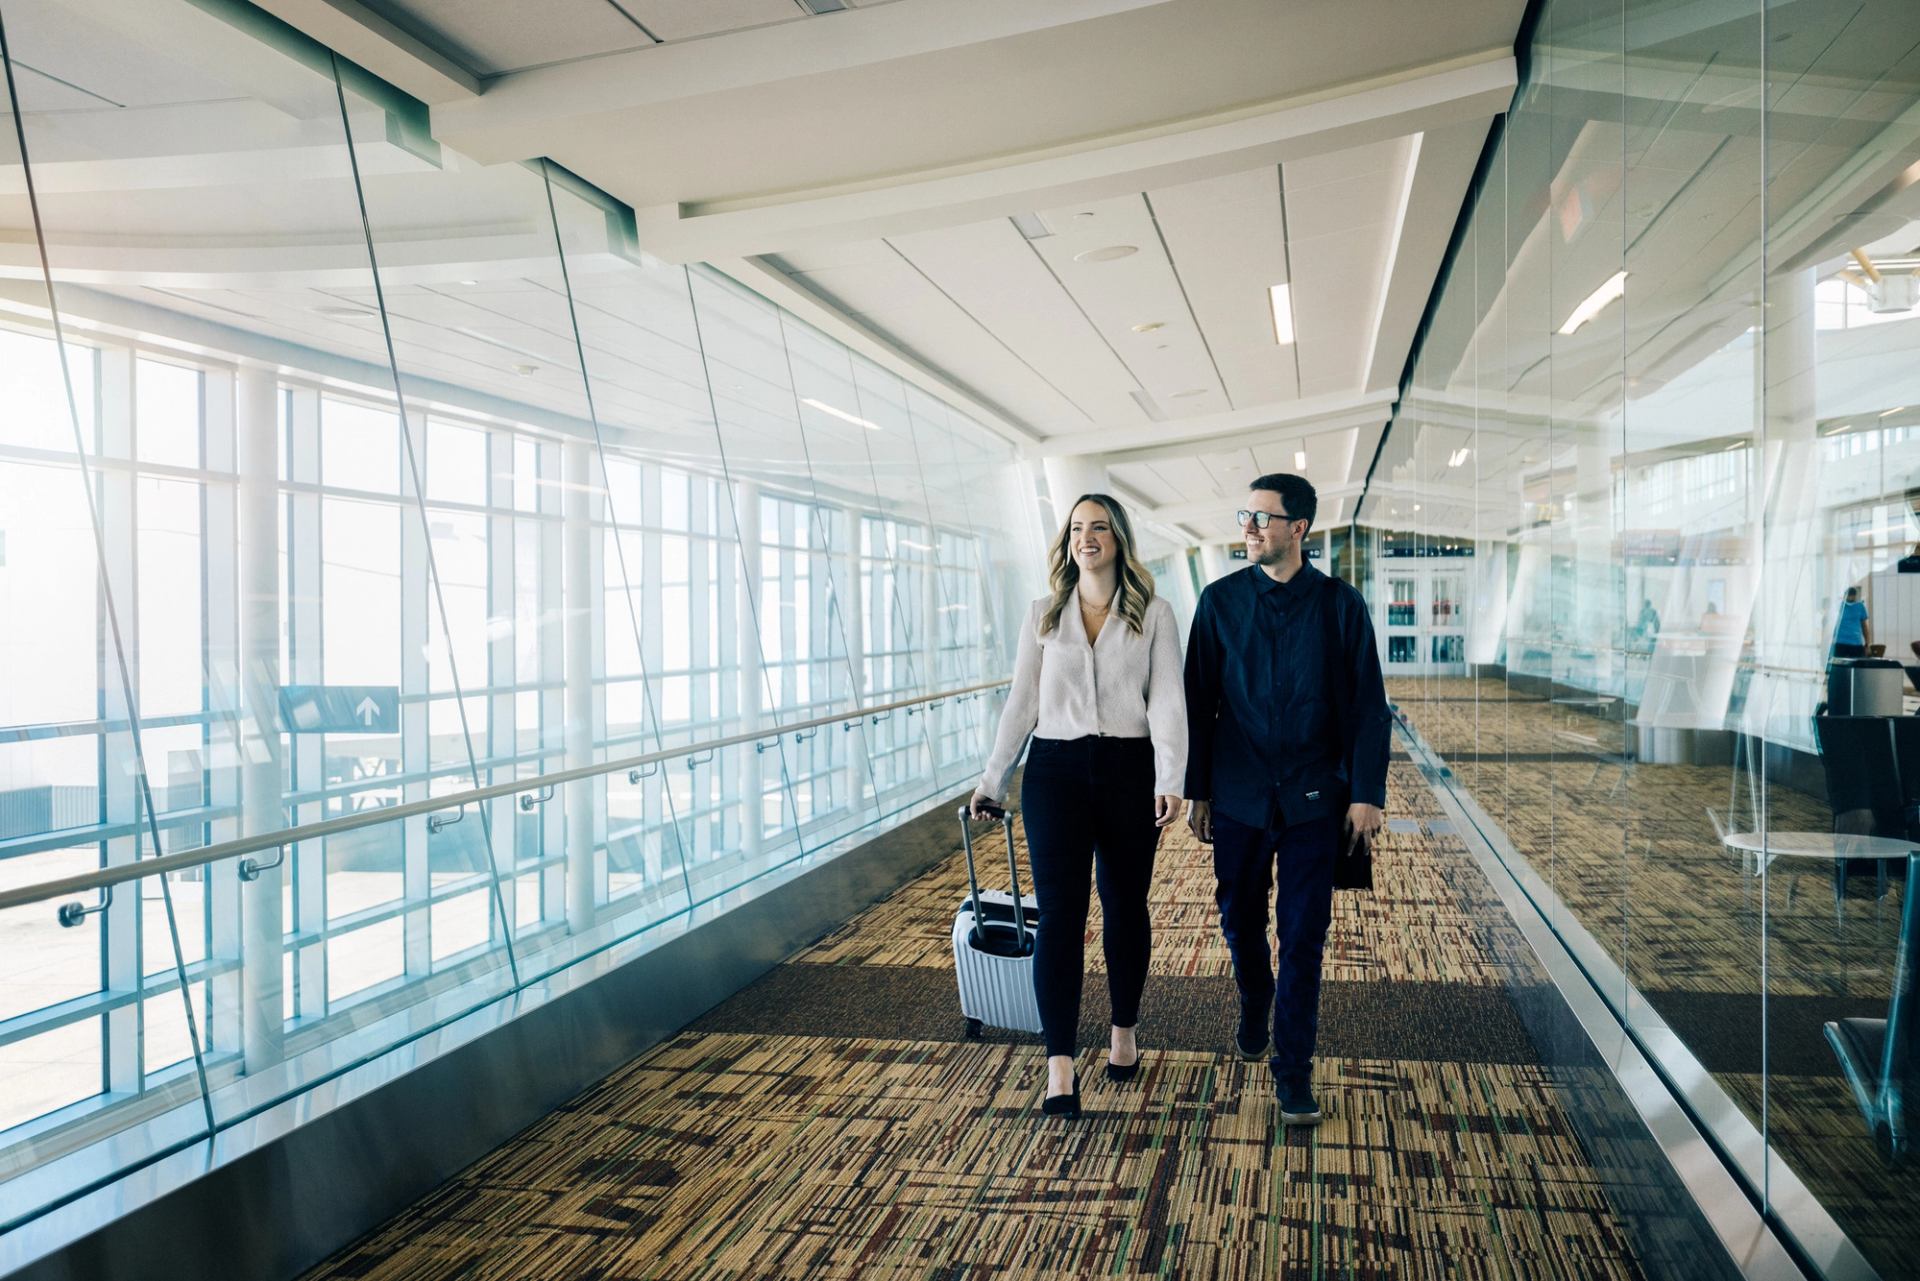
(1260, 520)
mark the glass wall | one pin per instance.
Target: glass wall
(339, 473)
(1655, 466)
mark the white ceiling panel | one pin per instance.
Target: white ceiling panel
(491, 39)
(993, 273)
(1170, 363)
(1225, 238)
(897, 300)
(689, 19)
(1144, 480)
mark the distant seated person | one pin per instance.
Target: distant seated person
(1910, 563)
(1646, 628)
(1851, 636)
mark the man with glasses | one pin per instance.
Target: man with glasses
(1286, 768)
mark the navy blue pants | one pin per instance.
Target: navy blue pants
(1295, 866)
(1088, 808)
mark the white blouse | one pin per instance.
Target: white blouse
(1123, 685)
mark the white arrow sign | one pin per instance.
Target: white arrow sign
(367, 711)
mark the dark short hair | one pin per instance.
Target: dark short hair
(1295, 492)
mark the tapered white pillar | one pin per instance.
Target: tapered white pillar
(579, 610)
(1068, 478)
(263, 932)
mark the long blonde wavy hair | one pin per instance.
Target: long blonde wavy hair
(1063, 574)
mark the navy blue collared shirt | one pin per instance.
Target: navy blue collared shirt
(1269, 742)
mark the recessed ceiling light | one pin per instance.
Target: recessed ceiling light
(841, 414)
(1189, 393)
(524, 370)
(1458, 456)
(1032, 226)
(1148, 326)
(1299, 460)
(1281, 298)
(1596, 302)
(469, 282)
(1107, 253)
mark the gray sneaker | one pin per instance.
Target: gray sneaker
(1297, 1104)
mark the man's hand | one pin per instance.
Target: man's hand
(1363, 821)
(1165, 810)
(1200, 820)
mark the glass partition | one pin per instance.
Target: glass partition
(1655, 464)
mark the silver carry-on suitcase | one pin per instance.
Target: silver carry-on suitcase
(993, 947)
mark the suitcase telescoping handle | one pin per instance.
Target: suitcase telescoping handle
(1013, 869)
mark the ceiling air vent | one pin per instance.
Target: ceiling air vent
(818, 7)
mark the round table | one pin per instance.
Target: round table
(1831, 846)
(1826, 847)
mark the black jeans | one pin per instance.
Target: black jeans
(1247, 863)
(1088, 804)
(1842, 649)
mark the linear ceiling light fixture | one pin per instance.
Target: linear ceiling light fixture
(1458, 456)
(1596, 302)
(1281, 297)
(1299, 460)
(841, 414)
(1032, 226)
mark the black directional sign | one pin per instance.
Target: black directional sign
(340, 709)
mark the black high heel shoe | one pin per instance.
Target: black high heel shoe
(1117, 1073)
(1067, 1105)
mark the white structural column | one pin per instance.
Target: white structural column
(1068, 478)
(1597, 607)
(580, 612)
(256, 449)
(860, 779)
(751, 671)
(1791, 612)
(1214, 562)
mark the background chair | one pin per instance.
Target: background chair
(1863, 786)
(1880, 1056)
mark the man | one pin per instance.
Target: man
(1286, 768)
(1853, 634)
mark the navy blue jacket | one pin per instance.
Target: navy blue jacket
(1272, 740)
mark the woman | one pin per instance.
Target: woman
(1098, 682)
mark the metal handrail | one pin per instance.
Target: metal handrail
(101, 878)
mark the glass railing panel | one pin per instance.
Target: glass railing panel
(91, 1047)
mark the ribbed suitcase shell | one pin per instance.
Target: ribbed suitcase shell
(996, 990)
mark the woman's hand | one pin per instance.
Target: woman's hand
(983, 807)
(1165, 810)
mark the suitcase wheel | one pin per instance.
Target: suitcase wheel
(973, 1029)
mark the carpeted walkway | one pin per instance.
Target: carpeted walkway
(832, 1121)
(1631, 850)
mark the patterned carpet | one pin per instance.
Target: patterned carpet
(1633, 854)
(832, 1121)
